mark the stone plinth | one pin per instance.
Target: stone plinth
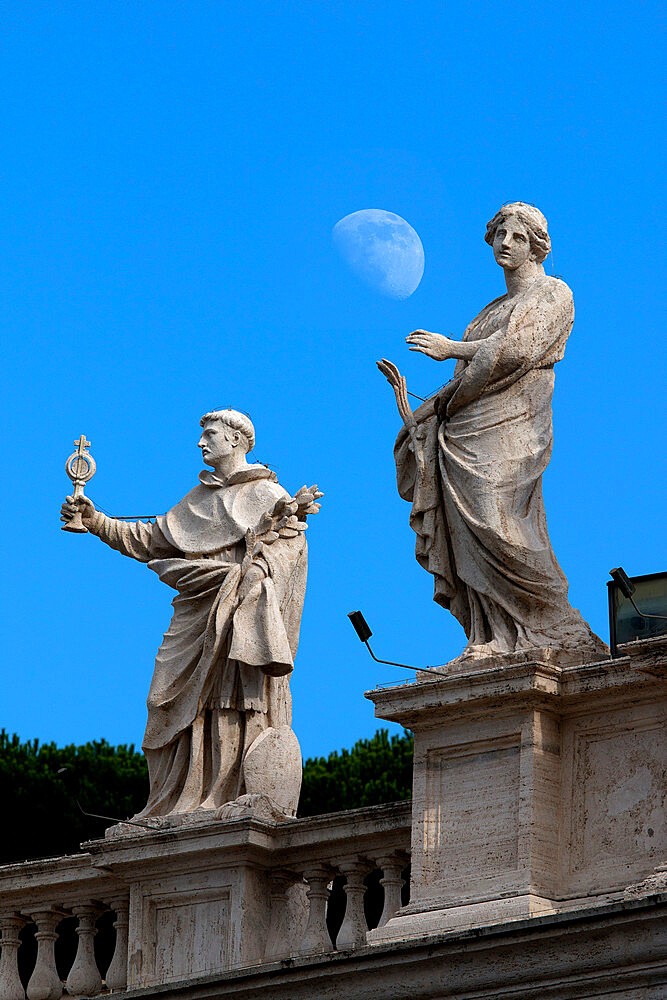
(537, 786)
(215, 896)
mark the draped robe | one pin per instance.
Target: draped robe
(221, 674)
(474, 479)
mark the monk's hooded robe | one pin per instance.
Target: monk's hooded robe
(474, 479)
(221, 674)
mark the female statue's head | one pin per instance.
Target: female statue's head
(518, 232)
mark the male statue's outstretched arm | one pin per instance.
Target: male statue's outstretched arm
(136, 539)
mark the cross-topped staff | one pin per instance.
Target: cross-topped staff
(80, 467)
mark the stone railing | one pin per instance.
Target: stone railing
(200, 899)
(39, 902)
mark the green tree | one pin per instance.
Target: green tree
(41, 814)
(373, 771)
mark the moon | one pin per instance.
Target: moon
(382, 249)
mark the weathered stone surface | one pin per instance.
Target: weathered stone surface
(207, 896)
(11, 987)
(616, 950)
(534, 785)
(198, 899)
(234, 550)
(470, 459)
(219, 909)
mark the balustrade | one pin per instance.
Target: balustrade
(352, 933)
(116, 977)
(392, 882)
(355, 869)
(278, 942)
(363, 854)
(45, 983)
(316, 937)
(11, 987)
(84, 978)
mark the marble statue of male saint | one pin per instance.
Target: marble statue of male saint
(221, 674)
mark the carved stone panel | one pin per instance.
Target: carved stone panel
(191, 932)
(616, 816)
(472, 815)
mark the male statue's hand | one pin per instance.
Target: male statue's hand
(82, 504)
(433, 344)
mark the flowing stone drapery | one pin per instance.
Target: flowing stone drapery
(221, 673)
(474, 479)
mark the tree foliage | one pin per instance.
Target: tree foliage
(42, 818)
(40, 785)
(373, 771)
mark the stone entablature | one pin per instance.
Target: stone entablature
(616, 950)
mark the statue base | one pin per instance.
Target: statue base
(478, 658)
(255, 806)
(205, 898)
(272, 771)
(537, 783)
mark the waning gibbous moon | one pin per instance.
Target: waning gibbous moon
(382, 249)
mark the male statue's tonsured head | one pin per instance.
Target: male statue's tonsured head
(237, 423)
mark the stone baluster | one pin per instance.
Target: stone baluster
(392, 866)
(316, 936)
(277, 942)
(116, 977)
(45, 983)
(11, 987)
(84, 979)
(353, 930)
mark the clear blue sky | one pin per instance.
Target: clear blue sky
(171, 175)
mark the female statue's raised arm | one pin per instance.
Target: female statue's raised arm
(440, 348)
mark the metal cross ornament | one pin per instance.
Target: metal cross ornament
(80, 467)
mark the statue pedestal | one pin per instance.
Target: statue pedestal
(536, 785)
(199, 897)
(205, 896)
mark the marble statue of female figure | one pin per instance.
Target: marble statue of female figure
(470, 459)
